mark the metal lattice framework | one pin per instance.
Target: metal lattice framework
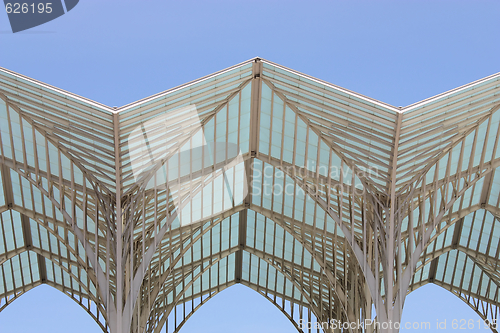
(337, 203)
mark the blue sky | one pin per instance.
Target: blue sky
(116, 52)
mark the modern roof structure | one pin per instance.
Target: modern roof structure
(328, 203)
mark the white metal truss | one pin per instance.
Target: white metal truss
(336, 203)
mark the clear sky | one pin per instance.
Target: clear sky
(116, 52)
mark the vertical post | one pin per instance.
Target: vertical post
(255, 106)
(254, 140)
(242, 235)
(119, 227)
(391, 253)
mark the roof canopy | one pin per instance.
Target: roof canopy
(323, 200)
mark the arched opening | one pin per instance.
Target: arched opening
(433, 305)
(259, 263)
(45, 309)
(238, 309)
(288, 299)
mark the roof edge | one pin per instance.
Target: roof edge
(449, 92)
(344, 90)
(184, 85)
(101, 106)
(125, 107)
